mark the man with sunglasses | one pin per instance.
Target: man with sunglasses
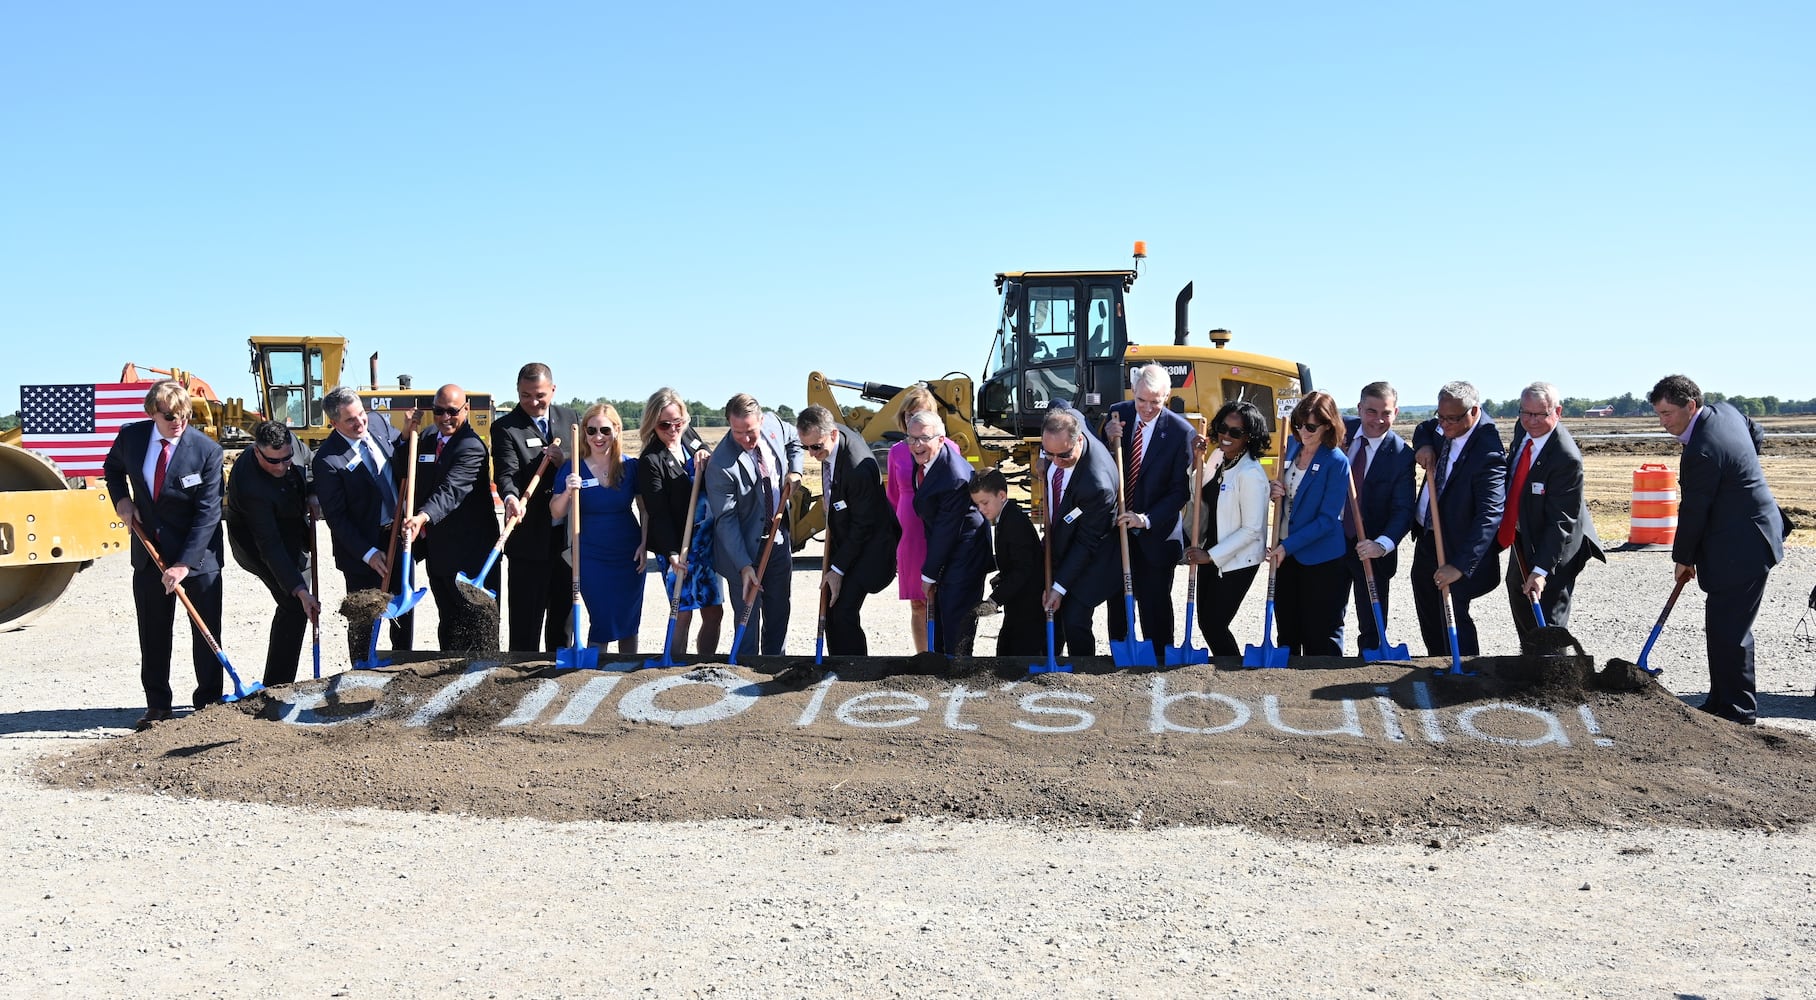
(268, 530)
(455, 517)
(174, 475)
(1381, 465)
(1466, 470)
(1079, 515)
(536, 577)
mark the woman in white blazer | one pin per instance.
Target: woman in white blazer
(1233, 531)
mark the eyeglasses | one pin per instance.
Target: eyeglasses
(1453, 418)
(1309, 426)
(1536, 415)
(1234, 432)
(1061, 456)
(447, 411)
(671, 425)
(173, 417)
(923, 438)
(816, 447)
(279, 460)
(603, 432)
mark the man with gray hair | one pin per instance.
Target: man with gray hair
(1466, 478)
(1546, 524)
(1156, 444)
(861, 529)
(1078, 513)
(953, 572)
(356, 473)
(747, 487)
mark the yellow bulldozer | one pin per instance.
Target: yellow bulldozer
(52, 525)
(1062, 335)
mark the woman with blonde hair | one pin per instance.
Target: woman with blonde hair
(671, 457)
(612, 546)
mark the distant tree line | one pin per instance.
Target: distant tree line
(1628, 404)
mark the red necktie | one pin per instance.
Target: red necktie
(157, 476)
(440, 443)
(1510, 515)
(1059, 491)
(1135, 457)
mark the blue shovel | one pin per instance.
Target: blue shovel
(1450, 616)
(239, 690)
(1128, 651)
(1386, 651)
(578, 656)
(1052, 666)
(737, 637)
(315, 588)
(674, 597)
(1659, 628)
(478, 580)
(1267, 654)
(407, 599)
(1179, 656)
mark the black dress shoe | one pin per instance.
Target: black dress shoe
(153, 716)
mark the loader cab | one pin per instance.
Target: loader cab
(1060, 335)
(293, 373)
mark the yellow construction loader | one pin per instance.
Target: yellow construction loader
(1062, 335)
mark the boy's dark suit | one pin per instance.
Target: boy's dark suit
(184, 522)
(1019, 579)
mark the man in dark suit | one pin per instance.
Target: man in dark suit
(1016, 557)
(174, 475)
(1381, 464)
(268, 528)
(752, 472)
(1460, 450)
(537, 577)
(356, 473)
(1730, 533)
(953, 572)
(1546, 524)
(862, 531)
(454, 514)
(1080, 499)
(1155, 445)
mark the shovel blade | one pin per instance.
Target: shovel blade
(400, 605)
(1266, 656)
(576, 658)
(1052, 666)
(1132, 652)
(1179, 656)
(478, 584)
(1387, 653)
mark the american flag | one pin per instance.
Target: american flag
(76, 424)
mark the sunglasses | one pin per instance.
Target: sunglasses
(446, 411)
(173, 417)
(1233, 432)
(671, 425)
(1310, 427)
(279, 460)
(1062, 456)
(603, 432)
(816, 448)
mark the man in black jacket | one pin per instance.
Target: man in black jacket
(356, 479)
(537, 594)
(1466, 468)
(268, 529)
(862, 530)
(1730, 533)
(1016, 555)
(1080, 498)
(1545, 525)
(455, 506)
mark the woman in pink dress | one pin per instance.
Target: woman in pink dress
(911, 551)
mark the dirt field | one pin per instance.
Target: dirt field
(472, 830)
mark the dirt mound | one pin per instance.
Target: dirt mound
(1332, 750)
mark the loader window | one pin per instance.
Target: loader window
(1101, 323)
(1253, 392)
(314, 373)
(287, 387)
(1053, 320)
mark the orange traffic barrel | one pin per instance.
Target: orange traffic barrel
(1653, 513)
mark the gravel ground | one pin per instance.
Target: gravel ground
(129, 895)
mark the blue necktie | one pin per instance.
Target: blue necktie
(386, 489)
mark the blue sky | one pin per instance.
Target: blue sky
(724, 198)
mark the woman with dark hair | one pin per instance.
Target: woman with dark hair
(1232, 530)
(1312, 589)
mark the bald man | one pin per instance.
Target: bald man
(454, 504)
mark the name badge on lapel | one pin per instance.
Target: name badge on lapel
(1072, 515)
(192, 480)
(1314, 466)
(535, 442)
(1538, 489)
(420, 459)
(839, 505)
(588, 483)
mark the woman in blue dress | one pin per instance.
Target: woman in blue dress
(611, 550)
(670, 459)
